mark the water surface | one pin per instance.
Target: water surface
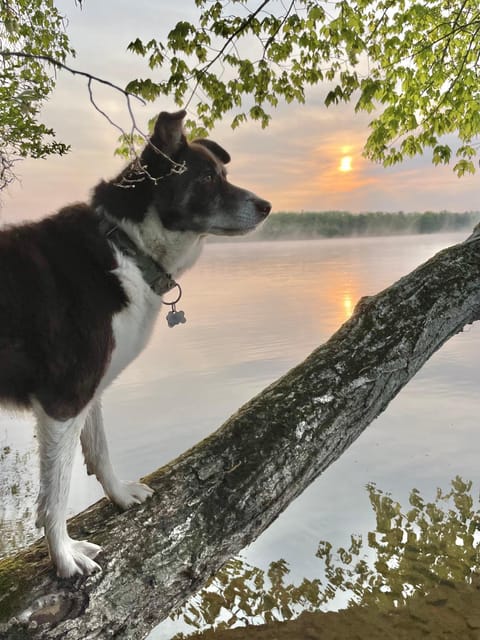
(253, 311)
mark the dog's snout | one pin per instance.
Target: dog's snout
(263, 206)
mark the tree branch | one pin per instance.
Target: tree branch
(76, 72)
(91, 78)
(229, 40)
(6, 163)
(219, 496)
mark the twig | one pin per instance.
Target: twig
(274, 34)
(65, 67)
(222, 50)
(136, 164)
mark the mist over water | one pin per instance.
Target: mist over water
(339, 224)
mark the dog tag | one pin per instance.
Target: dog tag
(175, 317)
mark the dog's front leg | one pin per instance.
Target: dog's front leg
(97, 459)
(57, 443)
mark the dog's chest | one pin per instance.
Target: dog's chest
(132, 327)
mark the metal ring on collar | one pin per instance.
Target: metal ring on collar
(177, 299)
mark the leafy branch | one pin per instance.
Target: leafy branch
(231, 39)
(58, 64)
(421, 80)
(128, 139)
(415, 65)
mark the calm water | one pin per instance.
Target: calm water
(254, 310)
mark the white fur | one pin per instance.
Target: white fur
(132, 328)
(176, 251)
(57, 443)
(97, 459)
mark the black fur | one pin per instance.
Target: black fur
(57, 298)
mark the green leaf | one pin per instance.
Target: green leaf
(464, 167)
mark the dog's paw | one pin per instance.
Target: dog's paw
(76, 557)
(126, 494)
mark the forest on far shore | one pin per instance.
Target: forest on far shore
(335, 224)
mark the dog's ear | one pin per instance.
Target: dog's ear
(215, 148)
(168, 134)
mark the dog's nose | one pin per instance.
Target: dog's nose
(263, 206)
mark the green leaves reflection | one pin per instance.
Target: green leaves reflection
(414, 550)
(407, 555)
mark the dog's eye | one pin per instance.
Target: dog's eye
(207, 178)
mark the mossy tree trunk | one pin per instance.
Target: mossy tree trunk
(220, 495)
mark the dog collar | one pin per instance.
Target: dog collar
(159, 281)
(153, 273)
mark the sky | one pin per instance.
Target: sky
(308, 159)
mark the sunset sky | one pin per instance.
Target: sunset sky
(309, 158)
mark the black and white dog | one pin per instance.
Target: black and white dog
(79, 295)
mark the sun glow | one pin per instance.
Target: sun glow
(347, 305)
(345, 164)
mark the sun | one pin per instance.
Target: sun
(345, 164)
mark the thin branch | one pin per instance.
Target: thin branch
(222, 50)
(455, 80)
(6, 170)
(137, 166)
(430, 45)
(65, 67)
(454, 26)
(274, 34)
(100, 111)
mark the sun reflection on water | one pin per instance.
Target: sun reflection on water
(347, 305)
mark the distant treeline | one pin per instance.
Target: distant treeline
(332, 224)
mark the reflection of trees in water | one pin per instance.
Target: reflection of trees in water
(17, 527)
(414, 550)
(408, 554)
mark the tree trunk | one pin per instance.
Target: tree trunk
(219, 496)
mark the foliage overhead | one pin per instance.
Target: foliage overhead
(30, 32)
(413, 65)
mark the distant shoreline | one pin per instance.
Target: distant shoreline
(343, 224)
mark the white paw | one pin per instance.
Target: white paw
(126, 494)
(76, 557)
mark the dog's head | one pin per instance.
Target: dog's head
(185, 184)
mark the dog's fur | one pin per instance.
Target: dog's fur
(75, 310)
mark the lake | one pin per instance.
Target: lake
(254, 310)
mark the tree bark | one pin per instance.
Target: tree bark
(219, 496)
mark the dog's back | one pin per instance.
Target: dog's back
(57, 298)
